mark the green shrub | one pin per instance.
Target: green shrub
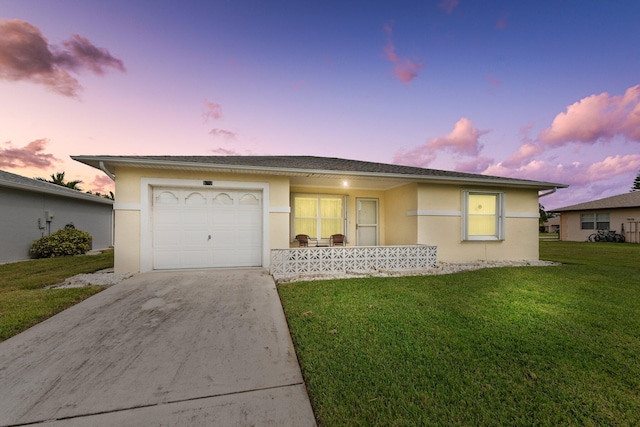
(64, 242)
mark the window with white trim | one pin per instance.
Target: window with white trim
(483, 215)
(318, 216)
(593, 221)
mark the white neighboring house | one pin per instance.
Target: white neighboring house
(31, 209)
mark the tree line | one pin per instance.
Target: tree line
(58, 179)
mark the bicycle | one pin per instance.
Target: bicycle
(606, 236)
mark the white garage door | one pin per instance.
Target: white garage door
(206, 228)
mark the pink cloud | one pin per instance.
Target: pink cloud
(226, 134)
(597, 117)
(102, 184)
(476, 165)
(419, 157)
(404, 69)
(448, 5)
(462, 140)
(31, 155)
(298, 85)
(538, 170)
(493, 82)
(81, 53)
(526, 151)
(575, 174)
(502, 22)
(211, 111)
(612, 166)
(26, 55)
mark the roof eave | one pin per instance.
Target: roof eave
(80, 195)
(95, 161)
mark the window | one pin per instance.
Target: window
(319, 216)
(594, 221)
(483, 216)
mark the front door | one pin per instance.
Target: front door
(366, 222)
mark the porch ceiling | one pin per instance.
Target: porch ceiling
(352, 182)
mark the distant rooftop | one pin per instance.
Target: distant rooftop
(626, 200)
(11, 180)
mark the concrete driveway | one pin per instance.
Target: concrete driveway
(189, 348)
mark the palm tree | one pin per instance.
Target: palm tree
(58, 179)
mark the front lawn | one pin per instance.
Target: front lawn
(24, 302)
(504, 346)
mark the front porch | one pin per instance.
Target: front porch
(293, 262)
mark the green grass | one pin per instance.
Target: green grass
(521, 346)
(24, 302)
(548, 236)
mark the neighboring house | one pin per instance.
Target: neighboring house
(31, 209)
(175, 212)
(620, 213)
(552, 225)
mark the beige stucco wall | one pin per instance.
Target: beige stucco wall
(279, 221)
(128, 242)
(570, 223)
(408, 214)
(399, 201)
(440, 224)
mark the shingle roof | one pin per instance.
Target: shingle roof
(626, 200)
(310, 164)
(11, 180)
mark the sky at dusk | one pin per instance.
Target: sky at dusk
(544, 90)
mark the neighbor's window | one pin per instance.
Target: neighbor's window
(483, 216)
(594, 221)
(318, 216)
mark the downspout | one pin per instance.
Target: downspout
(547, 194)
(539, 195)
(104, 169)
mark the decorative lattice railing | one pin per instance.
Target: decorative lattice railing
(293, 262)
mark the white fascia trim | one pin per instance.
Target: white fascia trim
(433, 213)
(146, 198)
(126, 207)
(280, 209)
(522, 215)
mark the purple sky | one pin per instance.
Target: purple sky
(545, 90)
